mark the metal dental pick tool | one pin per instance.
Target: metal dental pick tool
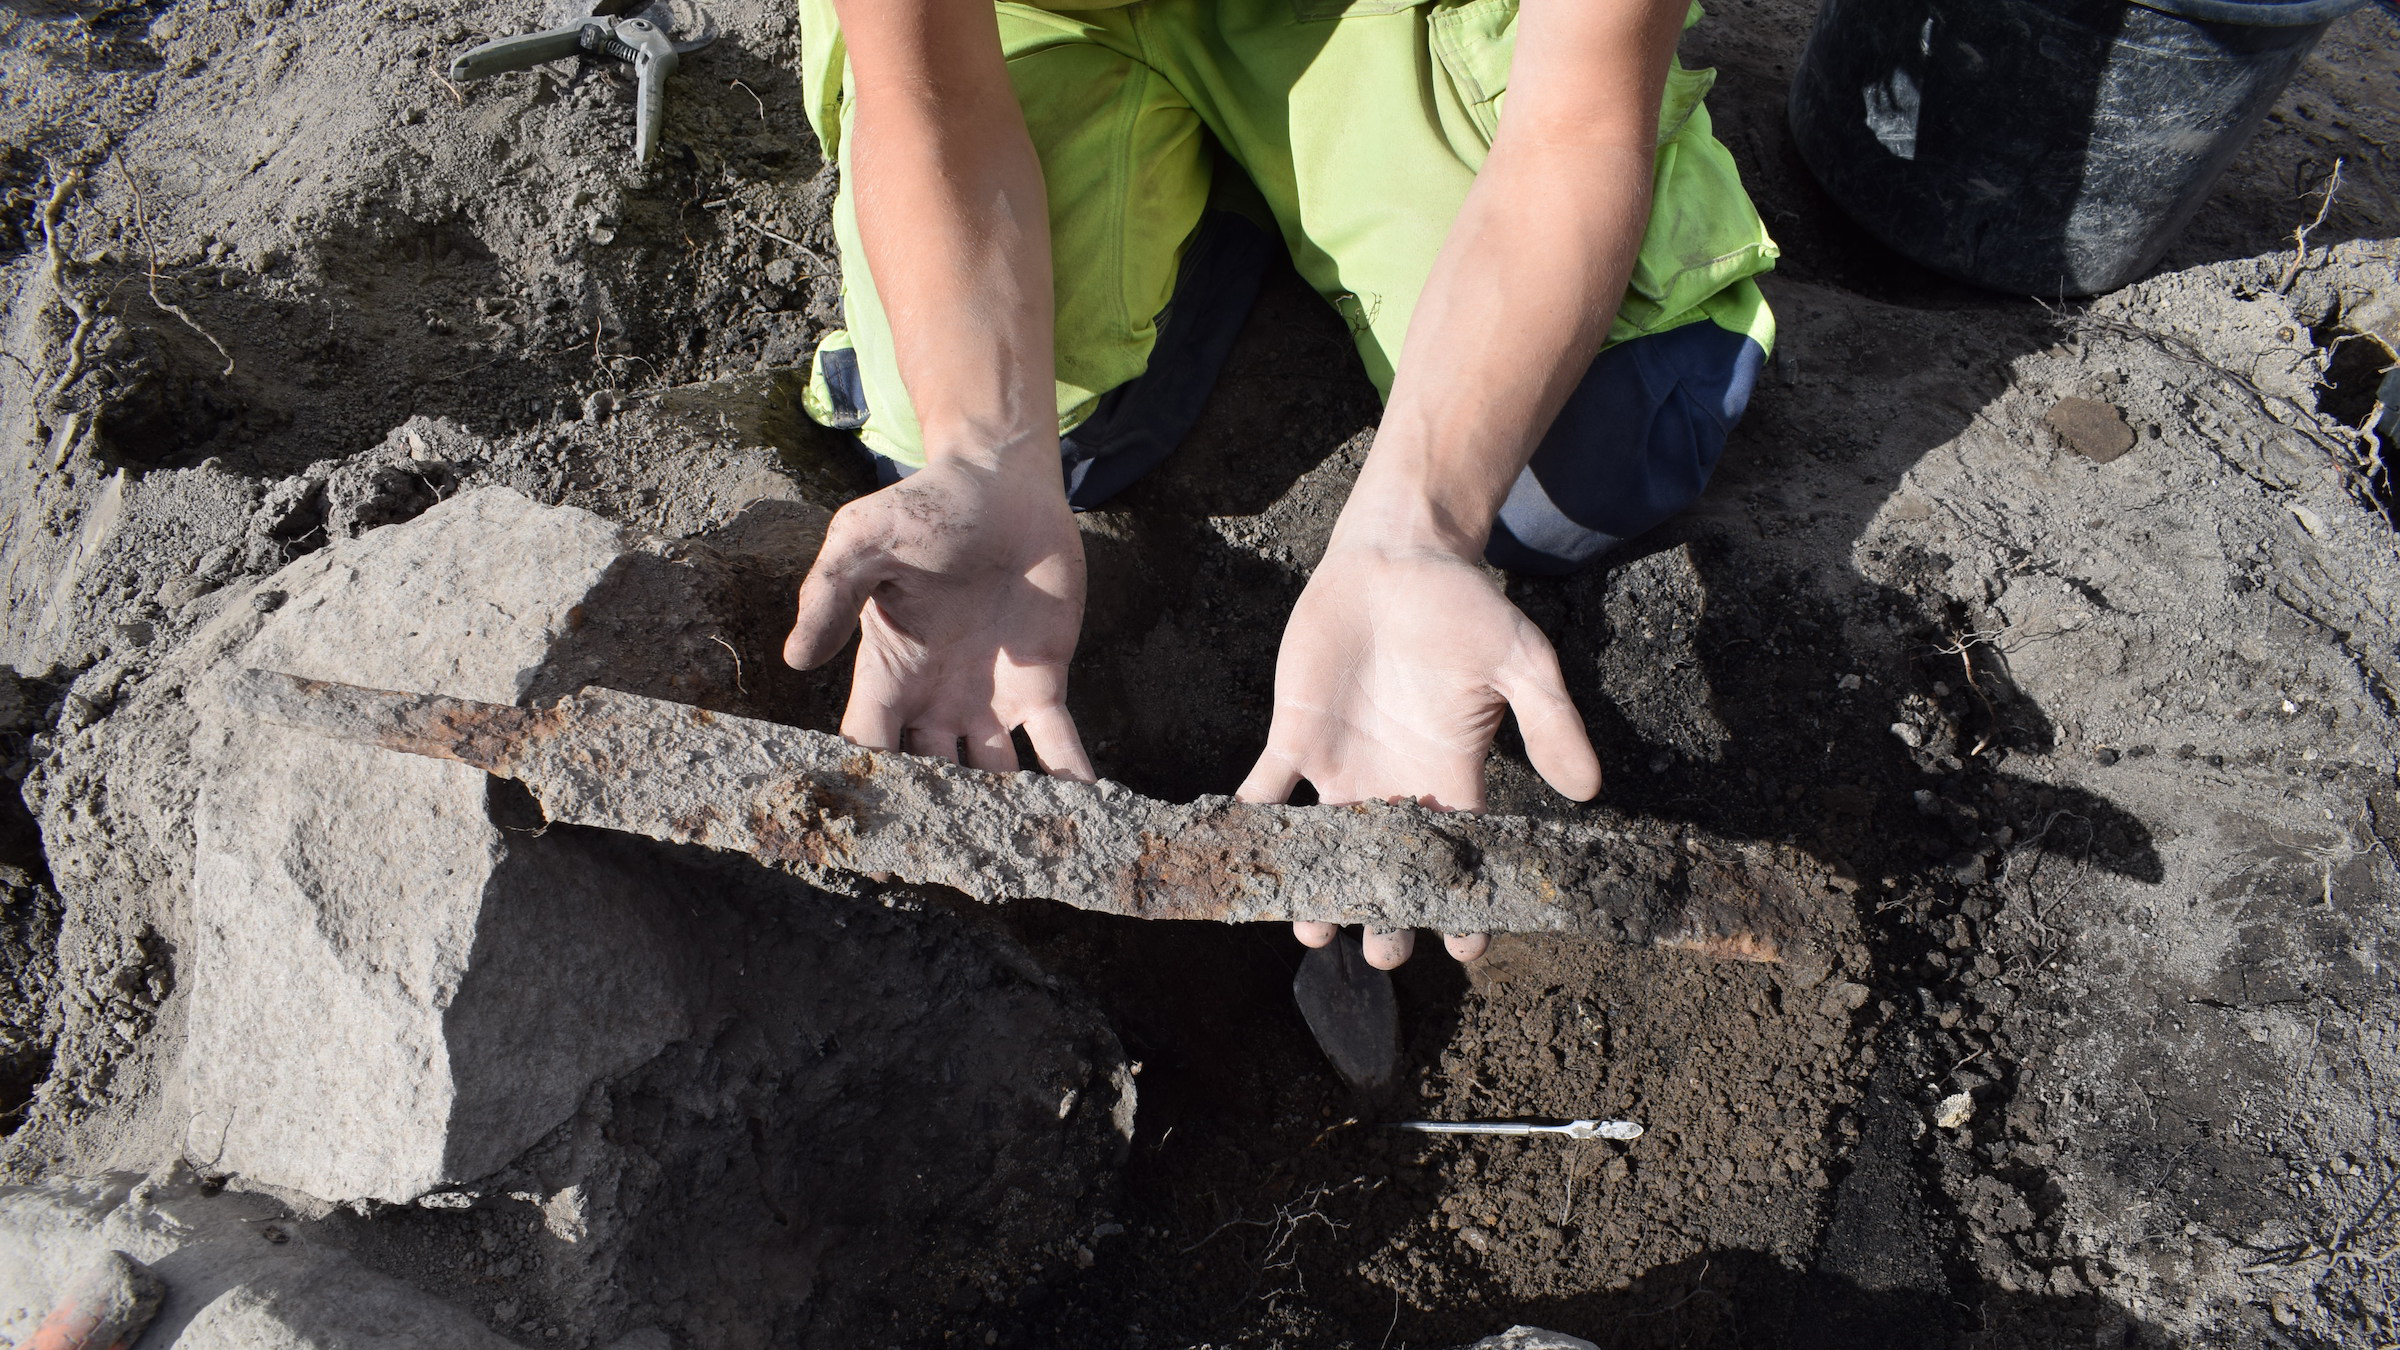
(1573, 1129)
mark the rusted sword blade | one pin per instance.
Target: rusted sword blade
(814, 801)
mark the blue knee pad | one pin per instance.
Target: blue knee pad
(1634, 444)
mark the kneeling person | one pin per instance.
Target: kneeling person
(1052, 222)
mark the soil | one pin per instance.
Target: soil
(2066, 634)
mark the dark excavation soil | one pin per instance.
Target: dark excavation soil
(2098, 737)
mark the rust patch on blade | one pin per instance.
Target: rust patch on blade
(696, 826)
(1050, 837)
(1198, 874)
(487, 735)
(800, 821)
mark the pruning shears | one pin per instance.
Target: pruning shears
(638, 32)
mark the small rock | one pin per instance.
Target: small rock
(183, 591)
(267, 601)
(1845, 998)
(291, 510)
(1848, 682)
(783, 271)
(77, 712)
(1909, 735)
(1476, 1238)
(2309, 520)
(2104, 756)
(2090, 428)
(1955, 1110)
(363, 496)
(598, 405)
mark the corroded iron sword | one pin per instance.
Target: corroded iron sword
(815, 803)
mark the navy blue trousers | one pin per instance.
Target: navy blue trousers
(1634, 444)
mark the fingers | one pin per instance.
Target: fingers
(990, 750)
(878, 726)
(933, 743)
(871, 721)
(1386, 949)
(1555, 739)
(1271, 781)
(830, 598)
(1058, 746)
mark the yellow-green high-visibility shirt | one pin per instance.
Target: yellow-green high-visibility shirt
(1361, 124)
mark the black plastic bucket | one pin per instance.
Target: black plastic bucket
(2048, 147)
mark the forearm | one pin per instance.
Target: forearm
(1531, 274)
(954, 219)
(1518, 304)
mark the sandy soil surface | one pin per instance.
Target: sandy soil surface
(2066, 633)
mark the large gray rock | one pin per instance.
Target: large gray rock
(391, 989)
(663, 1080)
(376, 986)
(389, 992)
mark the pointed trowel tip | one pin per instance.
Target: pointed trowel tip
(1351, 1011)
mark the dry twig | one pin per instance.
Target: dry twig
(1284, 1225)
(141, 219)
(737, 662)
(795, 245)
(54, 271)
(754, 98)
(1960, 649)
(2291, 274)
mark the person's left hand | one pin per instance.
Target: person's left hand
(1395, 668)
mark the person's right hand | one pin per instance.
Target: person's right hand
(967, 581)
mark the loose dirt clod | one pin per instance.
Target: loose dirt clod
(2090, 428)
